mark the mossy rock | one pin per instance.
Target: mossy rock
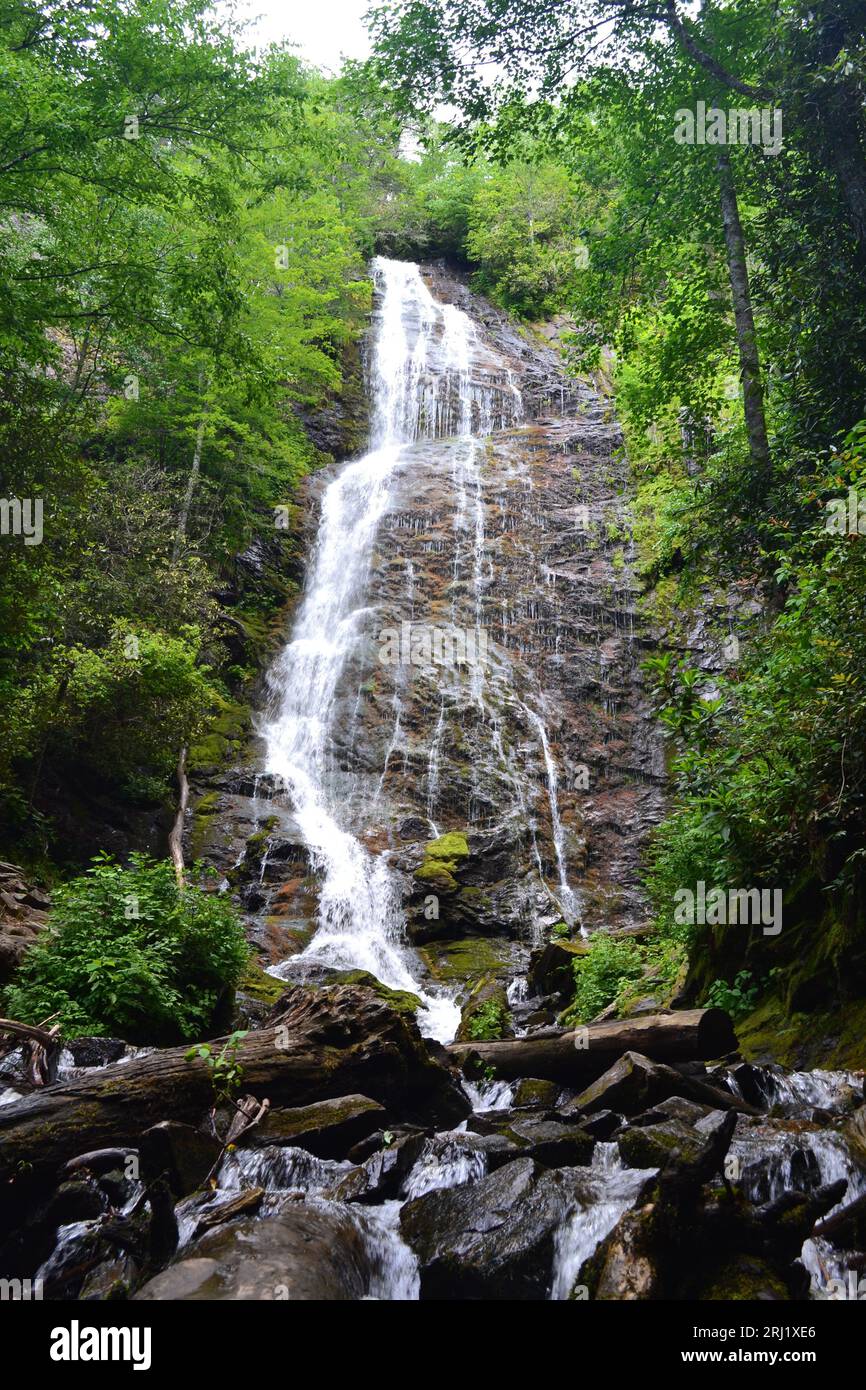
(437, 877)
(451, 848)
(743, 1278)
(402, 1001)
(442, 859)
(534, 1093)
(259, 985)
(222, 742)
(204, 810)
(835, 1039)
(455, 962)
(485, 1016)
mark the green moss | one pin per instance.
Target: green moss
(451, 847)
(257, 983)
(745, 1277)
(453, 962)
(835, 1039)
(437, 876)
(228, 731)
(402, 1001)
(205, 808)
(532, 1091)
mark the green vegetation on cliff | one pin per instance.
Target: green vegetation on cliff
(128, 954)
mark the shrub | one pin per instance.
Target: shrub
(601, 973)
(487, 1024)
(738, 998)
(128, 954)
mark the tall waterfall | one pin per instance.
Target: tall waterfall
(422, 388)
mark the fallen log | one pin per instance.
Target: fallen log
(336, 1042)
(582, 1055)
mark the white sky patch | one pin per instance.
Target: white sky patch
(323, 31)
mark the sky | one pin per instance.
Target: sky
(324, 30)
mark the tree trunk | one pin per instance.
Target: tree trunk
(342, 1041)
(175, 839)
(579, 1057)
(747, 342)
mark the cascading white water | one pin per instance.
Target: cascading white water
(422, 386)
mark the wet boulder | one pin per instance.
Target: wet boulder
(182, 1154)
(380, 1177)
(492, 1239)
(625, 1267)
(95, 1052)
(634, 1083)
(659, 1145)
(308, 1252)
(553, 1144)
(535, 1094)
(328, 1128)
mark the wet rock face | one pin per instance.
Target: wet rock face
(493, 690)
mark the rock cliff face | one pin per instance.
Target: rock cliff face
(488, 736)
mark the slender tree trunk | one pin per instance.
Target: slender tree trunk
(747, 342)
(175, 839)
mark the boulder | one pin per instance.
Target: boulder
(535, 1094)
(308, 1252)
(553, 1144)
(328, 1128)
(381, 1175)
(492, 1239)
(635, 1083)
(624, 1267)
(551, 968)
(658, 1145)
(182, 1154)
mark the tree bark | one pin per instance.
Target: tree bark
(689, 44)
(342, 1041)
(583, 1055)
(747, 342)
(175, 839)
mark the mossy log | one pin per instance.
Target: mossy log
(333, 1043)
(582, 1055)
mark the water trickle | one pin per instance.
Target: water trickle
(611, 1189)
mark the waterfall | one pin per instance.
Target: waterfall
(422, 387)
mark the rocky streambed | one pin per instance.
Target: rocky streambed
(379, 1170)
